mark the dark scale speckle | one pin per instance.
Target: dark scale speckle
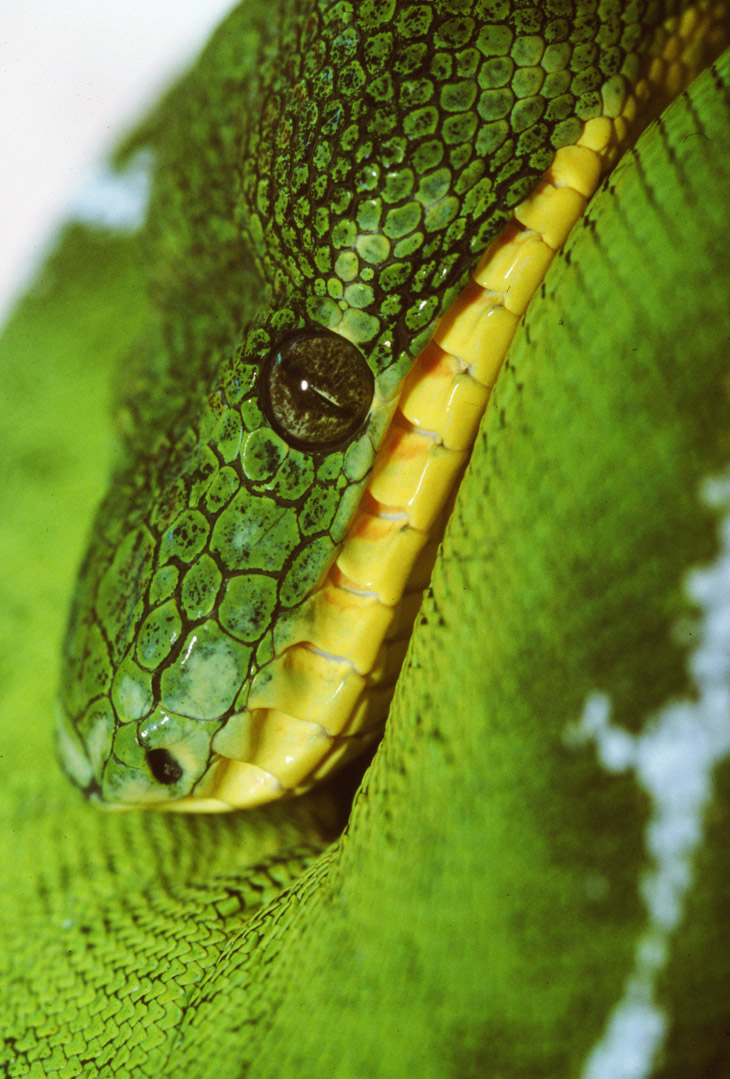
(200, 588)
(221, 491)
(414, 20)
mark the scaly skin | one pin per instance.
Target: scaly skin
(366, 162)
(481, 912)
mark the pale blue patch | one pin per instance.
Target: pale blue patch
(674, 759)
(115, 199)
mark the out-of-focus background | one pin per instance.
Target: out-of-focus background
(73, 76)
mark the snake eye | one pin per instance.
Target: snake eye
(317, 389)
(164, 767)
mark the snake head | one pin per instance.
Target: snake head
(201, 555)
(361, 160)
(185, 646)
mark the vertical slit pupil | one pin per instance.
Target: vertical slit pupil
(317, 389)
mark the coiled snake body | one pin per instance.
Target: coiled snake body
(353, 205)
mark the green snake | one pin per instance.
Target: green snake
(482, 910)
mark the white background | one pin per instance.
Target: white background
(74, 74)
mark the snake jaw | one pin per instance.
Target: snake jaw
(200, 560)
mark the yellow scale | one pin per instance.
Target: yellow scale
(325, 697)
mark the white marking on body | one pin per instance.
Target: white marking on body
(674, 759)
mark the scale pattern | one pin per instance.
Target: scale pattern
(478, 917)
(382, 147)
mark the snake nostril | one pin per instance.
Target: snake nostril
(164, 767)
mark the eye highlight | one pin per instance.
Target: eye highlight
(317, 389)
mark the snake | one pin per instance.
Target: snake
(370, 228)
(244, 603)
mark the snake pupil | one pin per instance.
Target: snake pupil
(317, 389)
(164, 767)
